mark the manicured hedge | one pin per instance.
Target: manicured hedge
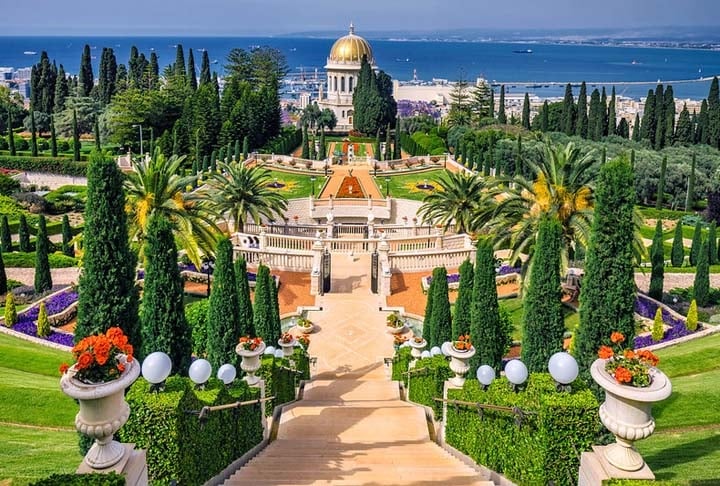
(545, 449)
(110, 479)
(426, 382)
(27, 260)
(646, 482)
(180, 447)
(280, 381)
(44, 164)
(401, 360)
(66, 198)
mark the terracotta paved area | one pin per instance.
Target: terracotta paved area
(361, 172)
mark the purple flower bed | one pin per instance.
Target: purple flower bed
(451, 278)
(27, 320)
(506, 270)
(647, 308)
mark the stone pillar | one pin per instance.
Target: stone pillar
(316, 272)
(133, 466)
(385, 270)
(263, 239)
(414, 226)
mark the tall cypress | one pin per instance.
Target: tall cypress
(543, 318)
(669, 114)
(62, 90)
(3, 276)
(23, 235)
(205, 77)
(659, 198)
(595, 118)
(108, 295)
(11, 135)
(649, 121)
(502, 117)
(657, 260)
(442, 319)
(702, 131)
(236, 151)
(33, 134)
(581, 128)
(701, 284)
(5, 235)
(690, 195)
(461, 320)
(636, 129)
(428, 323)
(712, 243)
(712, 137)
(659, 118)
(192, 77)
(526, 112)
(85, 76)
(53, 138)
(76, 138)
(568, 111)
(684, 132)
(611, 116)
(245, 311)
(305, 153)
(602, 120)
(246, 147)
(223, 318)
(67, 236)
(162, 316)
(179, 66)
(677, 256)
(486, 327)
(696, 244)
(43, 279)
(608, 294)
(396, 146)
(98, 143)
(275, 327)
(262, 308)
(545, 118)
(322, 154)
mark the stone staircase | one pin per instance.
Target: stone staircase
(355, 432)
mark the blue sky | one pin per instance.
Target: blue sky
(272, 17)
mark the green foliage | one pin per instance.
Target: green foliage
(677, 256)
(108, 296)
(245, 311)
(27, 260)
(426, 382)
(95, 479)
(180, 447)
(5, 236)
(701, 284)
(67, 247)
(712, 244)
(66, 198)
(280, 379)
(10, 310)
(544, 450)
(401, 362)
(658, 329)
(657, 258)
(543, 317)
(43, 278)
(441, 316)
(196, 316)
(3, 275)
(43, 324)
(162, 318)
(223, 326)
(691, 322)
(428, 323)
(23, 235)
(485, 325)
(696, 243)
(647, 482)
(461, 320)
(8, 185)
(44, 164)
(373, 105)
(608, 295)
(262, 310)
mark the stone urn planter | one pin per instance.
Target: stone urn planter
(626, 413)
(287, 346)
(458, 362)
(103, 410)
(305, 326)
(250, 362)
(417, 348)
(396, 330)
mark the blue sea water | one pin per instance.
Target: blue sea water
(497, 62)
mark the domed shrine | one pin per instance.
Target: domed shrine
(343, 68)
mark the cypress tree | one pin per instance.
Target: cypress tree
(677, 257)
(179, 66)
(23, 235)
(658, 328)
(486, 328)
(11, 135)
(246, 147)
(245, 311)
(690, 196)
(43, 324)
(10, 310)
(657, 259)
(568, 111)
(108, 295)
(702, 132)
(463, 304)
(669, 114)
(376, 147)
(205, 164)
(502, 117)
(637, 129)
(692, 316)
(53, 138)
(162, 315)
(596, 117)
(713, 115)
(608, 295)
(5, 235)
(581, 128)
(85, 76)
(3, 276)
(388, 147)
(526, 113)
(649, 121)
(602, 119)
(205, 76)
(33, 134)
(623, 129)
(62, 90)
(545, 117)
(659, 118)
(396, 145)
(67, 248)
(322, 154)
(696, 244)
(76, 138)
(603, 156)
(712, 244)
(428, 323)
(659, 198)
(305, 153)
(98, 144)
(223, 318)
(275, 329)
(611, 116)
(213, 161)
(543, 318)
(43, 279)
(684, 132)
(192, 78)
(236, 152)
(442, 318)
(701, 284)
(262, 308)
(491, 104)
(312, 148)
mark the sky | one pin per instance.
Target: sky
(277, 17)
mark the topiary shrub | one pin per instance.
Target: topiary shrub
(691, 323)
(43, 324)
(401, 362)
(658, 329)
(10, 310)
(426, 382)
(196, 316)
(110, 479)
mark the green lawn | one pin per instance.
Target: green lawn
(296, 185)
(686, 442)
(37, 419)
(514, 307)
(405, 186)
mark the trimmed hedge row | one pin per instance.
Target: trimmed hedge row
(426, 382)
(110, 479)
(647, 482)
(280, 380)
(62, 166)
(180, 447)
(18, 259)
(401, 361)
(545, 449)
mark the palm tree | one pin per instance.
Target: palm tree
(458, 200)
(155, 186)
(242, 192)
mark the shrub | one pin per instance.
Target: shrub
(43, 324)
(10, 310)
(8, 185)
(544, 448)
(692, 317)
(110, 479)
(426, 382)
(66, 198)
(401, 361)
(280, 378)
(196, 315)
(658, 329)
(179, 446)
(27, 260)
(64, 166)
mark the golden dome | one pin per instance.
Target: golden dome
(350, 49)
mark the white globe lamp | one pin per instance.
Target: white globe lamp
(563, 368)
(200, 371)
(227, 373)
(270, 350)
(435, 350)
(516, 372)
(156, 368)
(425, 354)
(485, 375)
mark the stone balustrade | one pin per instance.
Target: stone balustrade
(427, 260)
(287, 260)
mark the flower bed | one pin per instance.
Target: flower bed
(647, 307)
(350, 187)
(453, 279)
(55, 304)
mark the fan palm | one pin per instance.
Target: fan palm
(458, 200)
(156, 186)
(243, 192)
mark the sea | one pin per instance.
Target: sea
(531, 67)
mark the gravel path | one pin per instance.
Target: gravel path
(673, 280)
(60, 276)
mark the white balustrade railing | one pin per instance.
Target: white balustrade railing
(285, 242)
(350, 229)
(412, 244)
(455, 242)
(424, 261)
(279, 260)
(354, 246)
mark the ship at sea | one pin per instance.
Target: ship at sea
(523, 51)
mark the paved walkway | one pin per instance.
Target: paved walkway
(361, 172)
(351, 427)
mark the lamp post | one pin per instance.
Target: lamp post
(312, 180)
(207, 266)
(387, 187)
(141, 139)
